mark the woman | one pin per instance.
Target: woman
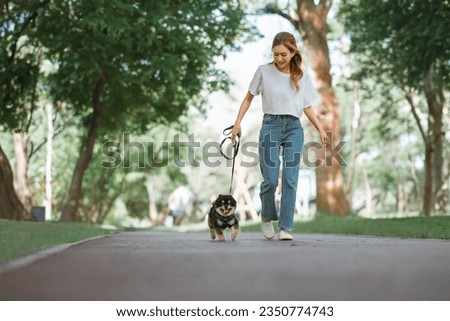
(287, 91)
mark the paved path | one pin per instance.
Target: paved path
(188, 266)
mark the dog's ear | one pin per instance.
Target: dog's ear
(220, 197)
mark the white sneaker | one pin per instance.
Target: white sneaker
(284, 236)
(267, 230)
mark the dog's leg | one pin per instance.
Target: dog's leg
(220, 235)
(235, 231)
(212, 233)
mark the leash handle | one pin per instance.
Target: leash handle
(227, 131)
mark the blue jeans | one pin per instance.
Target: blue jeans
(277, 131)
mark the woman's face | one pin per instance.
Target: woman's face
(282, 56)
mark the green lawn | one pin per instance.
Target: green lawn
(21, 238)
(415, 227)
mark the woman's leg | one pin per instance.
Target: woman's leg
(292, 142)
(269, 162)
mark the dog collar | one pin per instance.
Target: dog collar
(225, 220)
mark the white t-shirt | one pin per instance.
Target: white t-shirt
(278, 93)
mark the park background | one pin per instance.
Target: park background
(80, 78)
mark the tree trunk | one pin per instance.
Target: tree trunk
(369, 206)
(330, 181)
(152, 210)
(354, 132)
(435, 100)
(71, 204)
(446, 185)
(434, 194)
(48, 164)
(416, 191)
(312, 25)
(10, 206)
(21, 183)
(109, 203)
(428, 185)
(399, 195)
(100, 201)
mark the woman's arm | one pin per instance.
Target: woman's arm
(310, 113)
(245, 105)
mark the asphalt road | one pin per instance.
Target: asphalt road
(188, 266)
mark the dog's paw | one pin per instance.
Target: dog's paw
(212, 234)
(222, 238)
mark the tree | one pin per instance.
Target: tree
(20, 58)
(141, 61)
(21, 182)
(127, 163)
(310, 19)
(392, 175)
(406, 43)
(10, 205)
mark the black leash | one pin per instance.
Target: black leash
(227, 132)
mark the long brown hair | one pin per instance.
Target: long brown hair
(288, 40)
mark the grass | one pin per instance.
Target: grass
(437, 227)
(21, 238)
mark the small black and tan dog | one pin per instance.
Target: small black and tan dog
(221, 215)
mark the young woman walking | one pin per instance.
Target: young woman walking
(287, 91)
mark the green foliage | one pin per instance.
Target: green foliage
(157, 56)
(135, 197)
(158, 59)
(399, 40)
(20, 59)
(388, 145)
(402, 46)
(134, 173)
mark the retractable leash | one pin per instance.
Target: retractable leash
(227, 132)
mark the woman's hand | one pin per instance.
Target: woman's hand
(309, 112)
(235, 132)
(324, 138)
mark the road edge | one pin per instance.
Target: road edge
(29, 259)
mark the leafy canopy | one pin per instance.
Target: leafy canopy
(399, 39)
(157, 56)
